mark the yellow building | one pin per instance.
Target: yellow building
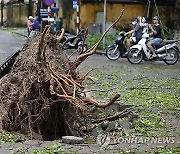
(91, 11)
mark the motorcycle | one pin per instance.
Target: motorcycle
(70, 41)
(117, 49)
(167, 51)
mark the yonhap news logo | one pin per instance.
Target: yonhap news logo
(106, 139)
(103, 140)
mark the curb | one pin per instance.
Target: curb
(100, 52)
(20, 34)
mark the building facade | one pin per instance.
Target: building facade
(91, 12)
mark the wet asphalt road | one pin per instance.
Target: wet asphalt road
(9, 44)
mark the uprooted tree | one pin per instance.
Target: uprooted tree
(44, 95)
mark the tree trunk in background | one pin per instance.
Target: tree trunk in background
(67, 15)
(30, 8)
(20, 12)
(177, 9)
(9, 14)
(177, 19)
(2, 5)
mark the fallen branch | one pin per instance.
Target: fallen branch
(116, 116)
(101, 105)
(89, 72)
(85, 91)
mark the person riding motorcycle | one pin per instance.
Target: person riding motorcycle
(144, 23)
(136, 34)
(156, 33)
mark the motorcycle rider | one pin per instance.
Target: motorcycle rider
(136, 34)
(156, 33)
(144, 23)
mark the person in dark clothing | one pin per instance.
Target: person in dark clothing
(156, 33)
(136, 34)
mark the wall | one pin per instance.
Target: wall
(17, 14)
(89, 11)
(88, 14)
(4, 12)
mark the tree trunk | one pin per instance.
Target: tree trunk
(2, 6)
(177, 14)
(177, 20)
(30, 8)
(9, 14)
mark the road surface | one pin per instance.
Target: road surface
(9, 44)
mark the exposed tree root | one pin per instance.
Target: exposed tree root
(43, 95)
(101, 105)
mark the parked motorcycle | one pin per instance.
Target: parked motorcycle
(167, 52)
(70, 41)
(117, 49)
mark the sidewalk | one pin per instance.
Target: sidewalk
(22, 32)
(16, 30)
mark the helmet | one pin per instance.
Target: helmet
(30, 17)
(155, 18)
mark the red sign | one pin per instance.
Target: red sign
(48, 2)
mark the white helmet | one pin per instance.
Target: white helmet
(30, 17)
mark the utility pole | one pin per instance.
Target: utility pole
(78, 16)
(104, 25)
(2, 6)
(38, 10)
